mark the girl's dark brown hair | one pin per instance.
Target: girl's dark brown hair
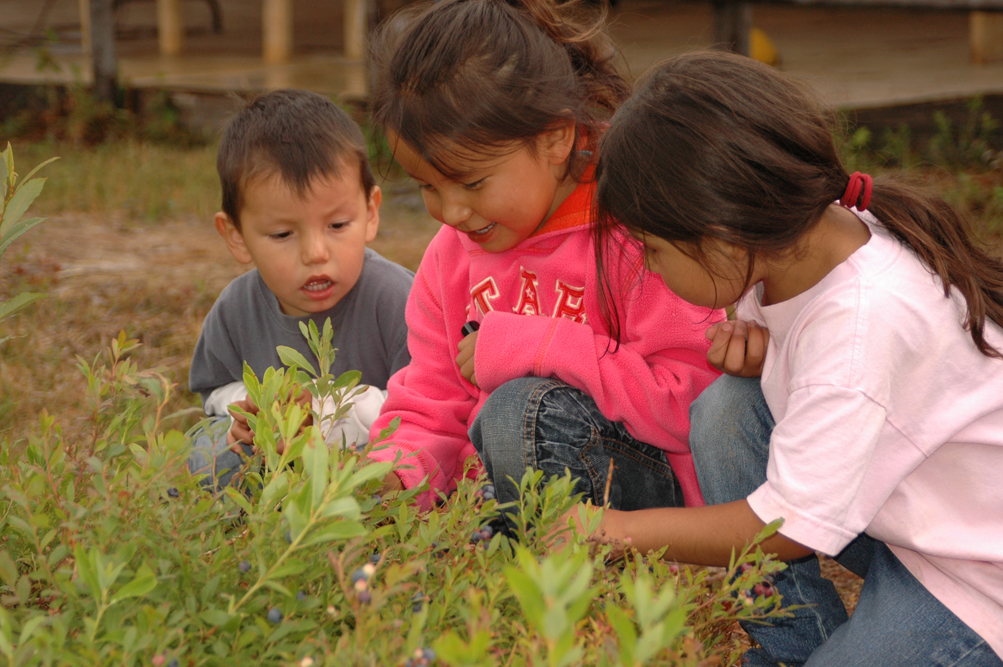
(476, 77)
(714, 145)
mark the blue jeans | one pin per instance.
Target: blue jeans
(211, 456)
(550, 426)
(896, 621)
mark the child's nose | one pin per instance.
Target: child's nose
(455, 212)
(314, 249)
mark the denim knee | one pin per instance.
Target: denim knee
(501, 429)
(730, 428)
(211, 457)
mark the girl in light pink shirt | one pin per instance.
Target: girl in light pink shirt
(863, 401)
(495, 108)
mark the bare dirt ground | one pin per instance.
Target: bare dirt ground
(156, 281)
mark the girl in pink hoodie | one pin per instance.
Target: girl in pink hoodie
(494, 108)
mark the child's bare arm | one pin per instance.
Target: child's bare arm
(699, 535)
(738, 348)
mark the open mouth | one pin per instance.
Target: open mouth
(485, 230)
(318, 285)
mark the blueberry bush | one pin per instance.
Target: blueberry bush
(113, 554)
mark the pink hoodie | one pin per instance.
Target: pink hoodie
(540, 316)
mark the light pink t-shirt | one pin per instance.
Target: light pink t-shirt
(889, 422)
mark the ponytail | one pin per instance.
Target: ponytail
(477, 76)
(944, 241)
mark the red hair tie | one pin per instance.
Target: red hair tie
(859, 187)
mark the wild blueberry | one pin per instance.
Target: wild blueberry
(416, 608)
(173, 492)
(418, 597)
(244, 566)
(476, 537)
(289, 536)
(365, 597)
(173, 663)
(358, 576)
(428, 653)
(377, 498)
(487, 531)
(374, 558)
(301, 596)
(275, 615)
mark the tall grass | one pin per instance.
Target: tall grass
(144, 181)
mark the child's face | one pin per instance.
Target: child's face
(309, 250)
(498, 202)
(717, 287)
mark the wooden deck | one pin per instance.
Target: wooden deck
(858, 58)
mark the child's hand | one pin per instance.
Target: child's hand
(239, 431)
(738, 348)
(391, 484)
(465, 359)
(609, 531)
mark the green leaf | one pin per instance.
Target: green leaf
(315, 459)
(342, 530)
(19, 203)
(289, 568)
(3, 175)
(86, 569)
(13, 232)
(8, 570)
(291, 357)
(239, 499)
(144, 582)
(372, 471)
(35, 170)
(215, 617)
(8, 308)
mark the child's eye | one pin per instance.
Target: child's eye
(474, 185)
(338, 225)
(278, 236)
(426, 187)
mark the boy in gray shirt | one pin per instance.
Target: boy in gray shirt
(300, 202)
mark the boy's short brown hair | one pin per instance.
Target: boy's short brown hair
(299, 135)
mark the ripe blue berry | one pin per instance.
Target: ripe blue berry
(173, 663)
(244, 566)
(301, 596)
(487, 531)
(429, 654)
(374, 558)
(416, 608)
(359, 575)
(475, 537)
(275, 615)
(173, 492)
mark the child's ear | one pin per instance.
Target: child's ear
(232, 237)
(373, 213)
(558, 141)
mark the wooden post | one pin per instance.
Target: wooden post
(85, 27)
(732, 23)
(170, 27)
(355, 21)
(103, 57)
(277, 30)
(986, 36)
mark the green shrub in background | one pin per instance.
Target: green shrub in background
(14, 202)
(112, 554)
